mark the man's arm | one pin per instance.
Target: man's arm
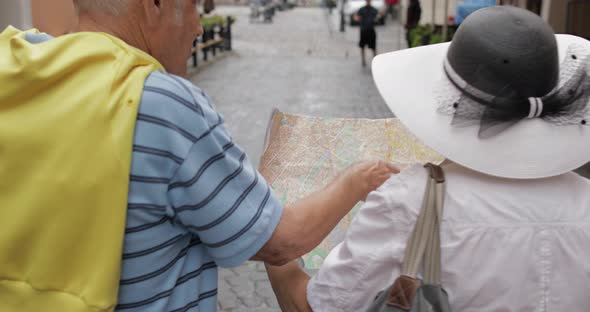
(357, 16)
(370, 240)
(289, 282)
(216, 195)
(308, 221)
(292, 296)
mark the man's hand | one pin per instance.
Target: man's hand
(289, 282)
(356, 18)
(367, 176)
(305, 223)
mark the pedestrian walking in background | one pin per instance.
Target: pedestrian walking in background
(366, 17)
(414, 13)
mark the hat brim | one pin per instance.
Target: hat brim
(532, 148)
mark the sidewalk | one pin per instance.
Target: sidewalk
(301, 64)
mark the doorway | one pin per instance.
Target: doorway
(577, 21)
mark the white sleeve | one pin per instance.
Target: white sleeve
(370, 257)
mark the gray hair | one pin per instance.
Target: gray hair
(111, 7)
(115, 7)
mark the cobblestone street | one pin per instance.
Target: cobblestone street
(300, 64)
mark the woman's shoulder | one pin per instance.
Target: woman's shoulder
(474, 197)
(458, 173)
(409, 175)
(401, 194)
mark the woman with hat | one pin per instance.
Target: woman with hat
(508, 104)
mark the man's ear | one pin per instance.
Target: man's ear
(151, 9)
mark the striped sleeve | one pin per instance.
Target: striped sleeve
(218, 195)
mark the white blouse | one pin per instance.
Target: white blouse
(507, 245)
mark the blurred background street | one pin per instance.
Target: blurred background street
(300, 63)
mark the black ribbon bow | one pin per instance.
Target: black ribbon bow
(565, 105)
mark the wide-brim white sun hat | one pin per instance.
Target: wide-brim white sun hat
(417, 88)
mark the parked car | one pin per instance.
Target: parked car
(353, 6)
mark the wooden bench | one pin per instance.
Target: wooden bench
(213, 39)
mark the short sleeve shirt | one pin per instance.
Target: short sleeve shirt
(368, 15)
(195, 202)
(507, 245)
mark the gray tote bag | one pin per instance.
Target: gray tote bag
(408, 293)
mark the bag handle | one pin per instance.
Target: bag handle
(432, 255)
(424, 244)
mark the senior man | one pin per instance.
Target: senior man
(121, 188)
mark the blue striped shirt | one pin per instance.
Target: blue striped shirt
(195, 202)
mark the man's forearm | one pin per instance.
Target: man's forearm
(308, 221)
(289, 284)
(314, 217)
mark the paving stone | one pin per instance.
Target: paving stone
(245, 269)
(265, 290)
(244, 291)
(252, 301)
(260, 267)
(272, 303)
(227, 300)
(239, 280)
(257, 309)
(226, 273)
(258, 276)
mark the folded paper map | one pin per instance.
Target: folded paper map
(302, 154)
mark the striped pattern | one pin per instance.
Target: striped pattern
(195, 202)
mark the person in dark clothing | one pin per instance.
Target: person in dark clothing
(366, 17)
(414, 14)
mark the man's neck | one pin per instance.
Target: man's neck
(125, 31)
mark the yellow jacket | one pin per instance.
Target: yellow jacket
(67, 113)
